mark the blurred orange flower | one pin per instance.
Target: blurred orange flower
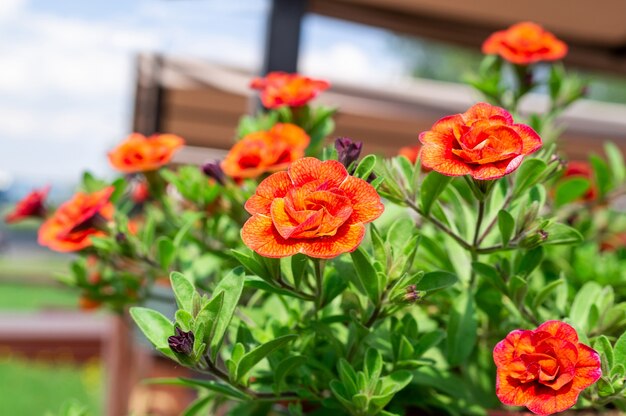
(482, 142)
(544, 369)
(525, 43)
(282, 89)
(314, 208)
(32, 205)
(410, 152)
(266, 151)
(73, 224)
(140, 154)
(87, 304)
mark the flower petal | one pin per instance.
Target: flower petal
(309, 169)
(496, 170)
(260, 235)
(559, 329)
(484, 111)
(366, 203)
(274, 186)
(347, 239)
(530, 139)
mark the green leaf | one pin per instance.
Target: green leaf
(619, 350)
(198, 405)
(437, 280)
(156, 327)
(249, 360)
(178, 239)
(571, 189)
(543, 294)
(208, 315)
(528, 175)
(603, 178)
(529, 261)
(433, 185)
(562, 234)
(214, 386)
(183, 291)
(251, 264)
(603, 347)
(462, 327)
(366, 167)
(366, 273)
(518, 288)
(616, 162)
(232, 286)
(491, 275)
(184, 320)
(373, 364)
(285, 367)
(165, 252)
(506, 224)
(581, 306)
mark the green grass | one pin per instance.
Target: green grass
(16, 297)
(38, 388)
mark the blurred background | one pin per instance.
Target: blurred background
(76, 77)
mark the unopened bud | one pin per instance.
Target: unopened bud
(534, 239)
(348, 150)
(214, 170)
(182, 342)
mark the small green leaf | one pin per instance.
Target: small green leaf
(603, 347)
(366, 167)
(528, 175)
(156, 327)
(184, 320)
(208, 315)
(616, 162)
(433, 185)
(249, 360)
(373, 364)
(251, 264)
(518, 288)
(581, 306)
(232, 286)
(437, 280)
(491, 275)
(183, 291)
(571, 189)
(559, 234)
(506, 224)
(366, 273)
(602, 174)
(543, 294)
(214, 386)
(530, 260)
(197, 406)
(619, 350)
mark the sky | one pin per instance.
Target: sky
(67, 69)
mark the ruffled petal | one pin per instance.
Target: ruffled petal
(347, 239)
(274, 186)
(366, 203)
(260, 235)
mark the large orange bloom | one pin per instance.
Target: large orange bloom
(282, 89)
(265, 151)
(31, 206)
(314, 208)
(140, 154)
(482, 142)
(525, 43)
(71, 227)
(544, 369)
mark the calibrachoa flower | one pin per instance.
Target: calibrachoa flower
(544, 369)
(139, 153)
(482, 142)
(73, 224)
(31, 206)
(314, 208)
(280, 89)
(266, 151)
(525, 43)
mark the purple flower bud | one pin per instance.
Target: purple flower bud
(214, 170)
(348, 150)
(182, 342)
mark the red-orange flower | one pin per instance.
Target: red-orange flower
(544, 369)
(282, 89)
(140, 154)
(265, 151)
(525, 43)
(482, 142)
(314, 208)
(32, 205)
(73, 224)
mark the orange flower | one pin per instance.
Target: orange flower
(32, 205)
(525, 43)
(266, 151)
(544, 369)
(71, 227)
(410, 152)
(282, 89)
(140, 154)
(581, 169)
(314, 208)
(482, 142)
(87, 304)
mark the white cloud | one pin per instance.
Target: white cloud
(8, 8)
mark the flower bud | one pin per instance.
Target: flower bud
(348, 150)
(214, 170)
(182, 342)
(534, 239)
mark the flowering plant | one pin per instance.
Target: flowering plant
(452, 279)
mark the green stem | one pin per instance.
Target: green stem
(476, 242)
(319, 280)
(438, 224)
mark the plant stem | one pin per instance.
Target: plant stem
(319, 280)
(439, 225)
